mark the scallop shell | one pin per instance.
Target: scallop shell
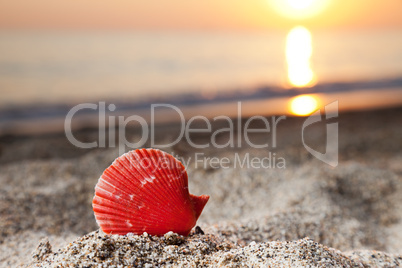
(146, 190)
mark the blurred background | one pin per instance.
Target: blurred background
(54, 55)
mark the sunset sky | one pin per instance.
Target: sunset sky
(192, 15)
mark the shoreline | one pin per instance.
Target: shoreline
(42, 118)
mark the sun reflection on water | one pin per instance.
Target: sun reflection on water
(298, 53)
(303, 105)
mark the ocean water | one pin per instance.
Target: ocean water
(44, 74)
(73, 67)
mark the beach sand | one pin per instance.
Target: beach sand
(308, 213)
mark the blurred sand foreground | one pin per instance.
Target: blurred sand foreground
(48, 186)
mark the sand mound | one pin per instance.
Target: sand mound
(198, 250)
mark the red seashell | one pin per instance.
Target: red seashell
(146, 190)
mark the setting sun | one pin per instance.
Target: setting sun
(298, 4)
(299, 9)
(303, 105)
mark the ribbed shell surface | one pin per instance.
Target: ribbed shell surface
(146, 190)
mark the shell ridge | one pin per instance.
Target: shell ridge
(107, 195)
(136, 200)
(119, 218)
(182, 173)
(127, 170)
(116, 175)
(176, 210)
(104, 208)
(179, 172)
(134, 183)
(166, 182)
(135, 187)
(105, 203)
(121, 187)
(181, 183)
(131, 167)
(160, 193)
(148, 195)
(128, 204)
(187, 207)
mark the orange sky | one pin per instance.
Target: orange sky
(190, 14)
